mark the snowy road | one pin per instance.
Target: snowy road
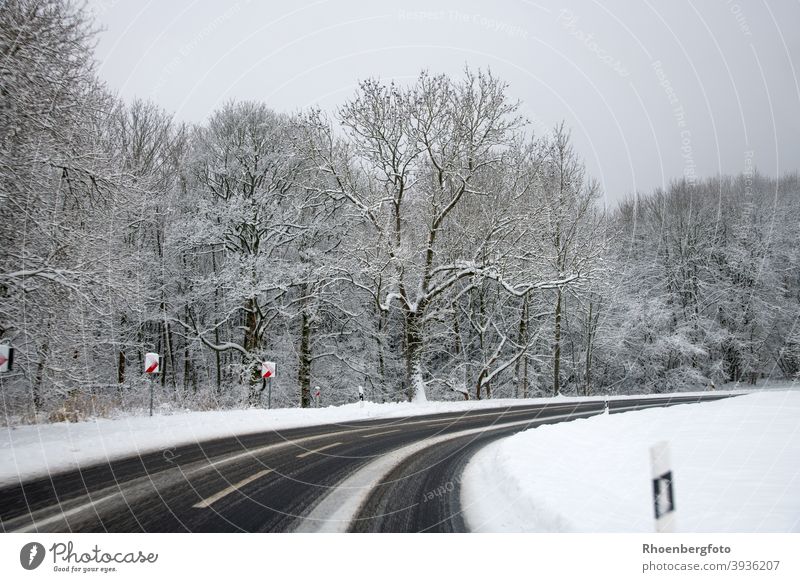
(409, 471)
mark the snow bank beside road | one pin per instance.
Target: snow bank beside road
(736, 465)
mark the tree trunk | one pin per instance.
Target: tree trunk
(413, 351)
(486, 388)
(250, 324)
(456, 330)
(37, 385)
(217, 355)
(218, 362)
(304, 364)
(121, 367)
(171, 353)
(525, 376)
(522, 339)
(250, 341)
(187, 368)
(590, 330)
(121, 357)
(256, 385)
(381, 357)
(479, 384)
(169, 357)
(557, 347)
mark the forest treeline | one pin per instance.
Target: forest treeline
(418, 241)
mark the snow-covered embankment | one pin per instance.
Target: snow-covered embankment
(736, 466)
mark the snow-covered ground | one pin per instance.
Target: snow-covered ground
(735, 463)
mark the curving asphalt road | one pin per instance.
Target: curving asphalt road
(407, 471)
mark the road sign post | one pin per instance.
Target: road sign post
(663, 488)
(317, 394)
(268, 373)
(151, 367)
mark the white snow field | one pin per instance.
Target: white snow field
(735, 464)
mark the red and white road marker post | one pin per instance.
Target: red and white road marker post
(151, 366)
(268, 373)
(663, 490)
(6, 358)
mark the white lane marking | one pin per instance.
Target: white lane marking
(502, 415)
(228, 490)
(337, 509)
(438, 422)
(62, 515)
(315, 451)
(374, 434)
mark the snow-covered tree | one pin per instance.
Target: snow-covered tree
(58, 192)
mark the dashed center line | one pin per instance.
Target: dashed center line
(374, 434)
(438, 422)
(228, 490)
(313, 451)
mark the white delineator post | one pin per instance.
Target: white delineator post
(151, 366)
(663, 488)
(268, 373)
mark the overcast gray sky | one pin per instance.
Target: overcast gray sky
(652, 90)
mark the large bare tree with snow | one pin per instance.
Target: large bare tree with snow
(419, 165)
